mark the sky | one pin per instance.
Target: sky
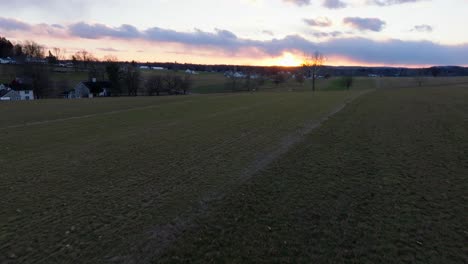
(409, 33)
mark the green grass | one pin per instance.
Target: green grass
(384, 181)
(95, 184)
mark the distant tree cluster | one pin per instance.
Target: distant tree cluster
(169, 84)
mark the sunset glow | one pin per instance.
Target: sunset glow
(286, 60)
(273, 33)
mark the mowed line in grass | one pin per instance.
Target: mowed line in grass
(384, 181)
(89, 187)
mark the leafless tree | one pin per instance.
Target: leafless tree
(33, 50)
(84, 57)
(132, 80)
(172, 83)
(59, 53)
(39, 78)
(186, 83)
(312, 64)
(155, 85)
(110, 58)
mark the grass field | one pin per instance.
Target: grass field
(96, 181)
(238, 178)
(384, 181)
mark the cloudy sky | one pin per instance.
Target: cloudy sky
(251, 32)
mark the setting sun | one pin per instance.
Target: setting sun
(286, 60)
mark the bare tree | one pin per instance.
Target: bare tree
(114, 74)
(312, 64)
(84, 57)
(186, 83)
(132, 80)
(172, 83)
(59, 53)
(39, 79)
(33, 50)
(155, 85)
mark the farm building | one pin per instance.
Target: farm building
(26, 95)
(9, 95)
(90, 89)
(188, 71)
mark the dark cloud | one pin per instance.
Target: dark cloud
(372, 24)
(392, 2)
(422, 28)
(388, 52)
(334, 4)
(95, 31)
(318, 22)
(8, 24)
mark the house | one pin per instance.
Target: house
(26, 95)
(90, 89)
(144, 68)
(9, 95)
(188, 71)
(157, 68)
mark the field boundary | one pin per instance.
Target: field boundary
(161, 237)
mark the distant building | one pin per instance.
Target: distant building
(8, 94)
(188, 71)
(157, 68)
(26, 95)
(89, 90)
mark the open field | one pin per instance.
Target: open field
(238, 178)
(384, 181)
(103, 177)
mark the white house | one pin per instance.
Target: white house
(90, 90)
(26, 95)
(188, 71)
(144, 67)
(80, 91)
(157, 68)
(9, 95)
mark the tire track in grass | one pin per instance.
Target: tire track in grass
(214, 151)
(162, 236)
